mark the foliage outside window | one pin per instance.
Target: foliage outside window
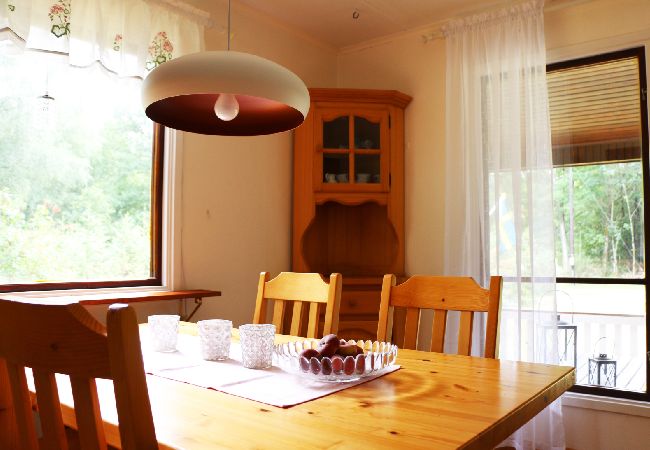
(77, 208)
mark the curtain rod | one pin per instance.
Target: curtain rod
(185, 9)
(550, 5)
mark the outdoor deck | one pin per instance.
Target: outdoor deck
(624, 342)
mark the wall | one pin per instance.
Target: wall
(406, 63)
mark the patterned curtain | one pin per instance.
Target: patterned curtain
(128, 37)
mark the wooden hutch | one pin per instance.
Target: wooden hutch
(348, 197)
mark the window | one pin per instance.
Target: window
(80, 181)
(599, 129)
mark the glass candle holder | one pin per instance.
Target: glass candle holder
(215, 335)
(164, 332)
(257, 345)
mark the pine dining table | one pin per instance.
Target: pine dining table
(434, 401)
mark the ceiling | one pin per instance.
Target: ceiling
(331, 21)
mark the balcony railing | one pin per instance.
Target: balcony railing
(620, 336)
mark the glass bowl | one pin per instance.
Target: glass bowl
(376, 358)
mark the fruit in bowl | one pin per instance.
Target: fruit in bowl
(335, 359)
(328, 345)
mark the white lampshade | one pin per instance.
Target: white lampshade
(182, 93)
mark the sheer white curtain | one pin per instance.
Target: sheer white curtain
(129, 37)
(499, 212)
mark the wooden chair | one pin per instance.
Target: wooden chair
(441, 294)
(300, 288)
(66, 339)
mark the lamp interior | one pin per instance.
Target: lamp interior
(195, 113)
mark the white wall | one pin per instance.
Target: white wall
(406, 63)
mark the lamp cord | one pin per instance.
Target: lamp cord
(228, 25)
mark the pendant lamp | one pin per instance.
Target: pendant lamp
(225, 93)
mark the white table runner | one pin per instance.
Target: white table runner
(271, 386)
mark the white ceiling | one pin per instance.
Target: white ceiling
(331, 21)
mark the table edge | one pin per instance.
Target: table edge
(503, 428)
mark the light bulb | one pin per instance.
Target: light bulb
(226, 107)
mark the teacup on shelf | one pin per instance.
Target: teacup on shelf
(330, 178)
(342, 177)
(363, 177)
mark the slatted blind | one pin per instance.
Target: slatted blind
(595, 112)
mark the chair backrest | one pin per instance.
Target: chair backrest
(441, 294)
(300, 289)
(66, 339)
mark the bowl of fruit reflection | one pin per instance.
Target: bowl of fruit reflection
(333, 359)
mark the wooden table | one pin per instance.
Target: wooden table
(434, 401)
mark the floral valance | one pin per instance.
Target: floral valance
(129, 37)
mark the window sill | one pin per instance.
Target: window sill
(606, 404)
(85, 293)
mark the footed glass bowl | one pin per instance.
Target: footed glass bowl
(376, 357)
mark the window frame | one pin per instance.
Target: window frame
(156, 243)
(639, 53)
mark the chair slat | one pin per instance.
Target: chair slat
(22, 406)
(411, 328)
(49, 407)
(438, 331)
(314, 313)
(465, 332)
(296, 319)
(86, 407)
(278, 315)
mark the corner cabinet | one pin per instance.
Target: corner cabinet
(348, 197)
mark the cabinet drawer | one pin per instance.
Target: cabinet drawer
(360, 302)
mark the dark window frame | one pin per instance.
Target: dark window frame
(639, 53)
(155, 278)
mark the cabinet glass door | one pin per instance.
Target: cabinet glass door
(367, 146)
(366, 134)
(354, 150)
(336, 149)
(336, 134)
